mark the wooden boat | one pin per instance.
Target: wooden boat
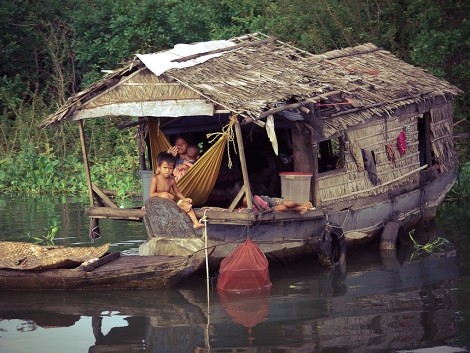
(372, 134)
(110, 271)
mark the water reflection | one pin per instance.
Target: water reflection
(374, 309)
(376, 302)
(23, 216)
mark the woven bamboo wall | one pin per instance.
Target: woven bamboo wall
(354, 182)
(442, 137)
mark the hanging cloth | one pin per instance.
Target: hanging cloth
(272, 133)
(198, 182)
(401, 143)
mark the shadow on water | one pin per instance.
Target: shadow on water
(375, 303)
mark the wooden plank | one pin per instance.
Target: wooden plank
(291, 216)
(106, 200)
(101, 261)
(237, 199)
(116, 213)
(225, 215)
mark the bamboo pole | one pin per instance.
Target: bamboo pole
(85, 162)
(354, 193)
(241, 151)
(315, 182)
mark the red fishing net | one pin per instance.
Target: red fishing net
(245, 269)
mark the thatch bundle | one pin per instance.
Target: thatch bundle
(26, 256)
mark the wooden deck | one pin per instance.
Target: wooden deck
(214, 215)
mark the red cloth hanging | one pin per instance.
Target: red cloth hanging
(401, 143)
(245, 269)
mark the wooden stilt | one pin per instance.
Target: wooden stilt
(85, 162)
(314, 186)
(94, 232)
(241, 152)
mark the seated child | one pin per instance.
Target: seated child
(192, 156)
(163, 185)
(278, 205)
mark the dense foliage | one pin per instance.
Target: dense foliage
(53, 48)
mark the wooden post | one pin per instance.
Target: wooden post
(141, 142)
(427, 137)
(85, 162)
(302, 151)
(316, 189)
(314, 185)
(241, 151)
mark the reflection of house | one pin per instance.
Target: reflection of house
(366, 125)
(411, 306)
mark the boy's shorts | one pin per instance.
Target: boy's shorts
(272, 201)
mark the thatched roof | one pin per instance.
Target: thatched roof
(346, 86)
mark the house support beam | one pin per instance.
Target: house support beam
(85, 162)
(241, 152)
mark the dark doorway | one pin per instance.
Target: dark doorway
(424, 139)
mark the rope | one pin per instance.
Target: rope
(204, 233)
(227, 132)
(206, 333)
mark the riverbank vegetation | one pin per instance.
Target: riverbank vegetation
(51, 49)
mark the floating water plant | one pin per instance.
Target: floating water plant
(438, 245)
(47, 239)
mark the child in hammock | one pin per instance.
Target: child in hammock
(163, 185)
(191, 158)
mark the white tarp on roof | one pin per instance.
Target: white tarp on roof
(158, 63)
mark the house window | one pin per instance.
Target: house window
(331, 154)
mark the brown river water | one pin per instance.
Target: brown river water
(413, 302)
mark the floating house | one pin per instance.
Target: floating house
(363, 136)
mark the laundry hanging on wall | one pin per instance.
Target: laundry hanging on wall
(390, 151)
(401, 143)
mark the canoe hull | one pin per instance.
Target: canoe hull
(126, 272)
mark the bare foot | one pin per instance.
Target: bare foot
(198, 226)
(302, 210)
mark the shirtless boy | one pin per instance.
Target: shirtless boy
(163, 185)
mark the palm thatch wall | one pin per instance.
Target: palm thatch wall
(442, 133)
(352, 181)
